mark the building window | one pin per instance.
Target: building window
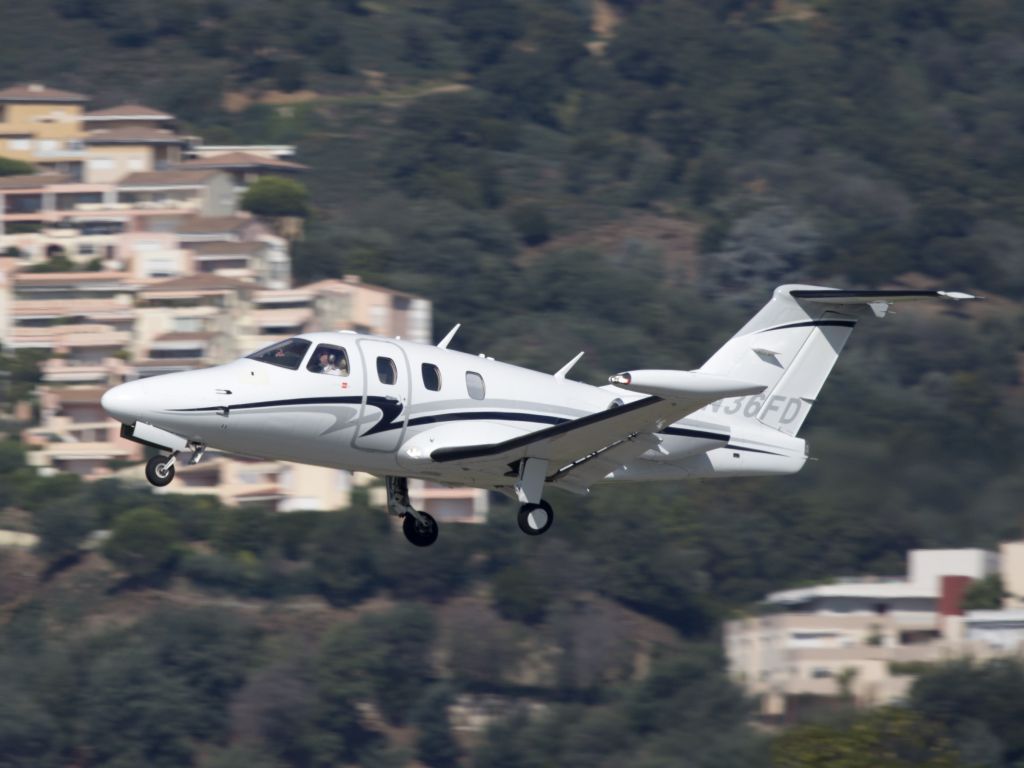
(431, 377)
(188, 325)
(21, 145)
(86, 249)
(387, 372)
(475, 385)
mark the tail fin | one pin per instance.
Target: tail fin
(790, 347)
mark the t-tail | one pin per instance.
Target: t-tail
(790, 347)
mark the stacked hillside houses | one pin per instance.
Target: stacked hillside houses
(126, 255)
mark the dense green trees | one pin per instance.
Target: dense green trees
(549, 189)
(142, 542)
(273, 196)
(890, 737)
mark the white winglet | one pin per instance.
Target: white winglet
(957, 295)
(443, 343)
(560, 374)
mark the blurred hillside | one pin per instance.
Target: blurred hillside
(630, 178)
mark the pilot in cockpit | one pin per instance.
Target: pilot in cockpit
(327, 364)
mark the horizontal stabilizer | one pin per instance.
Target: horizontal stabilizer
(674, 384)
(839, 296)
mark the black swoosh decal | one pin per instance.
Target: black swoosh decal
(813, 323)
(391, 409)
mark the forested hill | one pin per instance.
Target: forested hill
(627, 177)
(632, 178)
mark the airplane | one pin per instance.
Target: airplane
(400, 409)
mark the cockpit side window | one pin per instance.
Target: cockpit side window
(330, 360)
(284, 354)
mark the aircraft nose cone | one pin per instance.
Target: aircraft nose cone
(124, 402)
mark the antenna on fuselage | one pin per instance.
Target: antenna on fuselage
(443, 343)
(568, 367)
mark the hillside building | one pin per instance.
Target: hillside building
(865, 638)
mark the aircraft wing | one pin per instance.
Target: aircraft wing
(584, 439)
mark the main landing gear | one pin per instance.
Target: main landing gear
(535, 519)
(160, 469)
(535, 514)
(420, 529)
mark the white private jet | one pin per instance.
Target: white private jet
(399, 409)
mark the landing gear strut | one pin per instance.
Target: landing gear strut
(535, 519)
(535, 514)
(420, 529)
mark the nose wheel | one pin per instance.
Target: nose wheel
(535, 519)
(160, 470)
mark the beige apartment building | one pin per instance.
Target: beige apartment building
(866, 638)
(43, 126)
(101, 328)
(170, 276)
(50, 128)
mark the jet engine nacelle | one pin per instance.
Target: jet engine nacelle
(671, 384)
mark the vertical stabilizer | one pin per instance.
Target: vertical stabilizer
(790, 347)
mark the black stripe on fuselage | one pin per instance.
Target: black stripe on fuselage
(813, 324)
(350, 400)
(496, 415)
(417, 421)
(752, 450)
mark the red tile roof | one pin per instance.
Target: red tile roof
(173, 178)
(212, 225)
(198, 282)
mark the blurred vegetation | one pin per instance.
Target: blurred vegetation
(11, 167)
(634, 192)
(273, 196)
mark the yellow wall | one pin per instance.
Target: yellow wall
(56, 122)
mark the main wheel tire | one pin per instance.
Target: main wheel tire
(535, 519)
(420, 534)
(157, 471)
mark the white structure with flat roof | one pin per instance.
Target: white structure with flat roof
(856, 636)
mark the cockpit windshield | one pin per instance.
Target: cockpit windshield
(284, 354)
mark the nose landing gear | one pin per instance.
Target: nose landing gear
(420, 529)
(160, 470)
